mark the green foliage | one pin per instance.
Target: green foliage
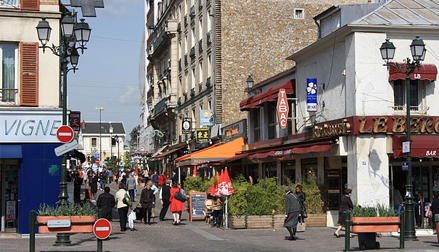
(67, 210)
(379, 211)
(198, 184)
(127, 159)
(314, 203)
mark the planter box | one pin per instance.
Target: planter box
(375, 228)
(74, 228)
(316, 220)
(237, 222)
(278, 221)
(259, 221)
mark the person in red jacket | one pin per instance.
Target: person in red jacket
(162, 179)
(176, 206)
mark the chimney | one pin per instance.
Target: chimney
(83, 124)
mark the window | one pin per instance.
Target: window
(8, 73)
(272, 122)
(299, 13)
(93, 141)
(257, 125)
(400, 97)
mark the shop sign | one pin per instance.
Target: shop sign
(11, 214)
(329, 130)
(203, 135)
(29, 126)
(187, 125)
(386, 124)
(311, 95)
(75, 120)
(235, 130)
(206, 117)
(282, 108)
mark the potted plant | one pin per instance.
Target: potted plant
(80, 217)
(379, 214)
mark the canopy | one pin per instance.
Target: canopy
(421, 146)
(268, 95)
(425, 72)
(215, 152)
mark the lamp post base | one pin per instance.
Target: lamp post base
(62, 240)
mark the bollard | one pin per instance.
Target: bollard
(32, 231)
(402, 231)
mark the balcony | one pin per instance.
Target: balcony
(8, 96)
(200, 4)
(200, 87)
(208, 84)
(179, 101)
(159, 39)
(185, 96)
(192, 92)
(192, 53)
(150, 16)
(192, 11)
(179, 27)
(185, 60)
(200, 45)
(185, 21)
(160, 106)
(414, 110)
(179, 64)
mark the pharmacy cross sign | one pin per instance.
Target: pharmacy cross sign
(88, 7)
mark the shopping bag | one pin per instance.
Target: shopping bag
(88, 194)
(301, 226)
(131, 218)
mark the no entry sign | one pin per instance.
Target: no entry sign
(65, 134)
(102, 229)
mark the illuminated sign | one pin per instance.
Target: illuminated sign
(282, 108)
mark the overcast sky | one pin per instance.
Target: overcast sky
(108, 74)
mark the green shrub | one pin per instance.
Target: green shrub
(67, 210)
(198, 184)
(378, 211)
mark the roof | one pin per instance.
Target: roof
(93, 128)
(404, 13)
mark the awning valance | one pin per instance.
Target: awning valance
(421, 146)
(297, 149)
(425, 72)
(268, 95)
(212, 153)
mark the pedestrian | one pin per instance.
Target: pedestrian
(103, 179)
(435, 209)
(147, 198)
(77, 187)
(345, 205)
(93, 183)
(155, 177)
(145, 176)
(301, 197)
(131, 186)
(122, 208)
(292, 211)
(156, 190)
(164, 196)
(398, 202)
(105, 203)
(162, 179)
(174, 177)
(176, 205)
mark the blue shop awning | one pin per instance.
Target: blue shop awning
(10, 151)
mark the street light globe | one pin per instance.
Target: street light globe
(67, 24)
(82, 32)
(417, 49)
(387, 50)
(43, 31)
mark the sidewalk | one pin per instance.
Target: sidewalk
(199, 236)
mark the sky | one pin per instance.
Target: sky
(108, 71)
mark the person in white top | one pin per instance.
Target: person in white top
(156, 190)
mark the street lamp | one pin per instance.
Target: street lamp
(100, 132)
(67, 53)
(418, 50)
(250, 86)
(111, 142)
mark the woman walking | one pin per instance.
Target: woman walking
(147, 199)
(122, 208)
(435, 209)
(345, 205)
(292, 211)
(176, 205)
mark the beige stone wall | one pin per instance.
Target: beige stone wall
(257, 36)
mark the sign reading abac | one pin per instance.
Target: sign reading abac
(202, 135)
(282, 108)
(75, 120)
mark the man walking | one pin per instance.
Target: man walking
(165, 194)
(292, 212)
(105, 203)
(131, 186)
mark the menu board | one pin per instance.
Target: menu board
(196, 205)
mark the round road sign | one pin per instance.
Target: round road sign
(97, 161)
(65, 134)
(102, 229)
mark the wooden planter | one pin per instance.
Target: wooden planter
(278, 221)
(259, 221)
(316, 220)
(74, 228)
(237, 222)
(374, 228)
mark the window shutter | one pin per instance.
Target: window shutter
(29, 74)
(30, 4)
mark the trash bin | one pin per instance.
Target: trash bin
(368, 241)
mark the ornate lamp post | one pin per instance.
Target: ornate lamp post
(100, 132)
(67, 51)
(418, 50)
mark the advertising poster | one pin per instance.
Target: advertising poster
(206, 118)
(10, 210)
(311, 97)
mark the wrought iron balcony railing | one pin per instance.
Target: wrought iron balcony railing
(414, 110)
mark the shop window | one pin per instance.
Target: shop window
(257, 125)
(272, 122)
(8, 73)
(416, 90)
(93, 142)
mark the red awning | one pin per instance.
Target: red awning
(425, 72)
(298, 149)
(268, 95)
(422, 145)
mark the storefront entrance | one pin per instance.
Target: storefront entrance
(9, 195)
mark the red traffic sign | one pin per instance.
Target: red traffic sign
(102, 229)
(65, 134)
(97, 161)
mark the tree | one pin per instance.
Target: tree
(134, 135)
(127, 159)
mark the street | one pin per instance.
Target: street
(199, 236)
